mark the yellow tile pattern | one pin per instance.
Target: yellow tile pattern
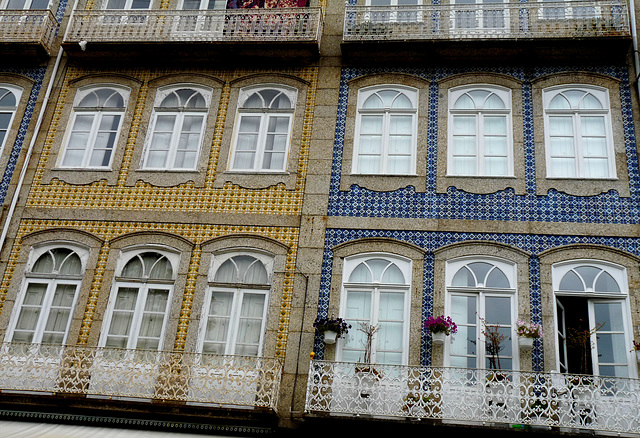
(197, 234)
(184, 197)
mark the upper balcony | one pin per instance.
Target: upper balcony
(239, 34)
(531, 31)
(563, 402)
(136, 375)
(27, 34)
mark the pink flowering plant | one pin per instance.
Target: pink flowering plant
(441, 324)
(636, 345)
(528, 329)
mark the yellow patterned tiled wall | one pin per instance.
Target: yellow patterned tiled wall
(185, 197)
(197, 234)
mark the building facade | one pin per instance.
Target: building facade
(206, 179)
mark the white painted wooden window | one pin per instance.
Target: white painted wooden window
(139, 303)
(578, 135)
(24, 4)
(486, 15)
(386, 131)
(46, 304)
(235, 311)
(593, 295)
(177, 128)
(376, 292)
(127, 4)
(9, 99)
(480, 137)
(263, 128)
(95, 126)
(481, 289)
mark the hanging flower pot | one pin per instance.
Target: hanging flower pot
(438, 338)
(525, 342)
(330, 337)
(638, 355)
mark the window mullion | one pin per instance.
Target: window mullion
(38, 330)
(234, 318)
(261, 141)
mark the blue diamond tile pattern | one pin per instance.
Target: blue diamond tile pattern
(37, 75)
(503, 205)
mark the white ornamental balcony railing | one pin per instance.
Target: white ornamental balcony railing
(28, 26)
(242, 381)
(165, 26)
(533, 19)
(458, 395)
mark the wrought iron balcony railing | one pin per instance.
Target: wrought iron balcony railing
(605, 404)
(167, 26)
(134, 374)
(28, 26)
(515, 20)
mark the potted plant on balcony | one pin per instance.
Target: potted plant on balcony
(440, 327)
(636, 348)
(365, 369)
(527, 333)
(332, 328)
(496, 379)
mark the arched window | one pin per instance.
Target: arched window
(95, 126)
(480, 139)
(139, 304)
(235, 313)
(592, 319)
(177, 128)
(263, 128)
(481, 297)
(578, 136)
(386, 131)
(46, 305)
(9, 98)
(375, 293)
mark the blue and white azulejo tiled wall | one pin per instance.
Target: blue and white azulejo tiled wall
(605, 208)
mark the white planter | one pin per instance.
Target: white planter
(525, 342)
(330, 337)
(438, 338)
(638, 355)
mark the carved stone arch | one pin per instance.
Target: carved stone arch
(390, 249)
(581, 186)
(78, 176)
(85, 244)
(252, 179)
(481, 184)
(385, 183)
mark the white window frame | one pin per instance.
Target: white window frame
(98, 114)
(600, 93)
(180, 113)
(25, 7)
(480, 115)
(619, 274)
(375, 289)
(127, 6)
(238, 291)
(396, 13)
(204, 5)
(482, 292)
(51, 281)
(143, 285)
(265, 114)
(568, 11)
(386, 113)
(17, 92)
(478, 9)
